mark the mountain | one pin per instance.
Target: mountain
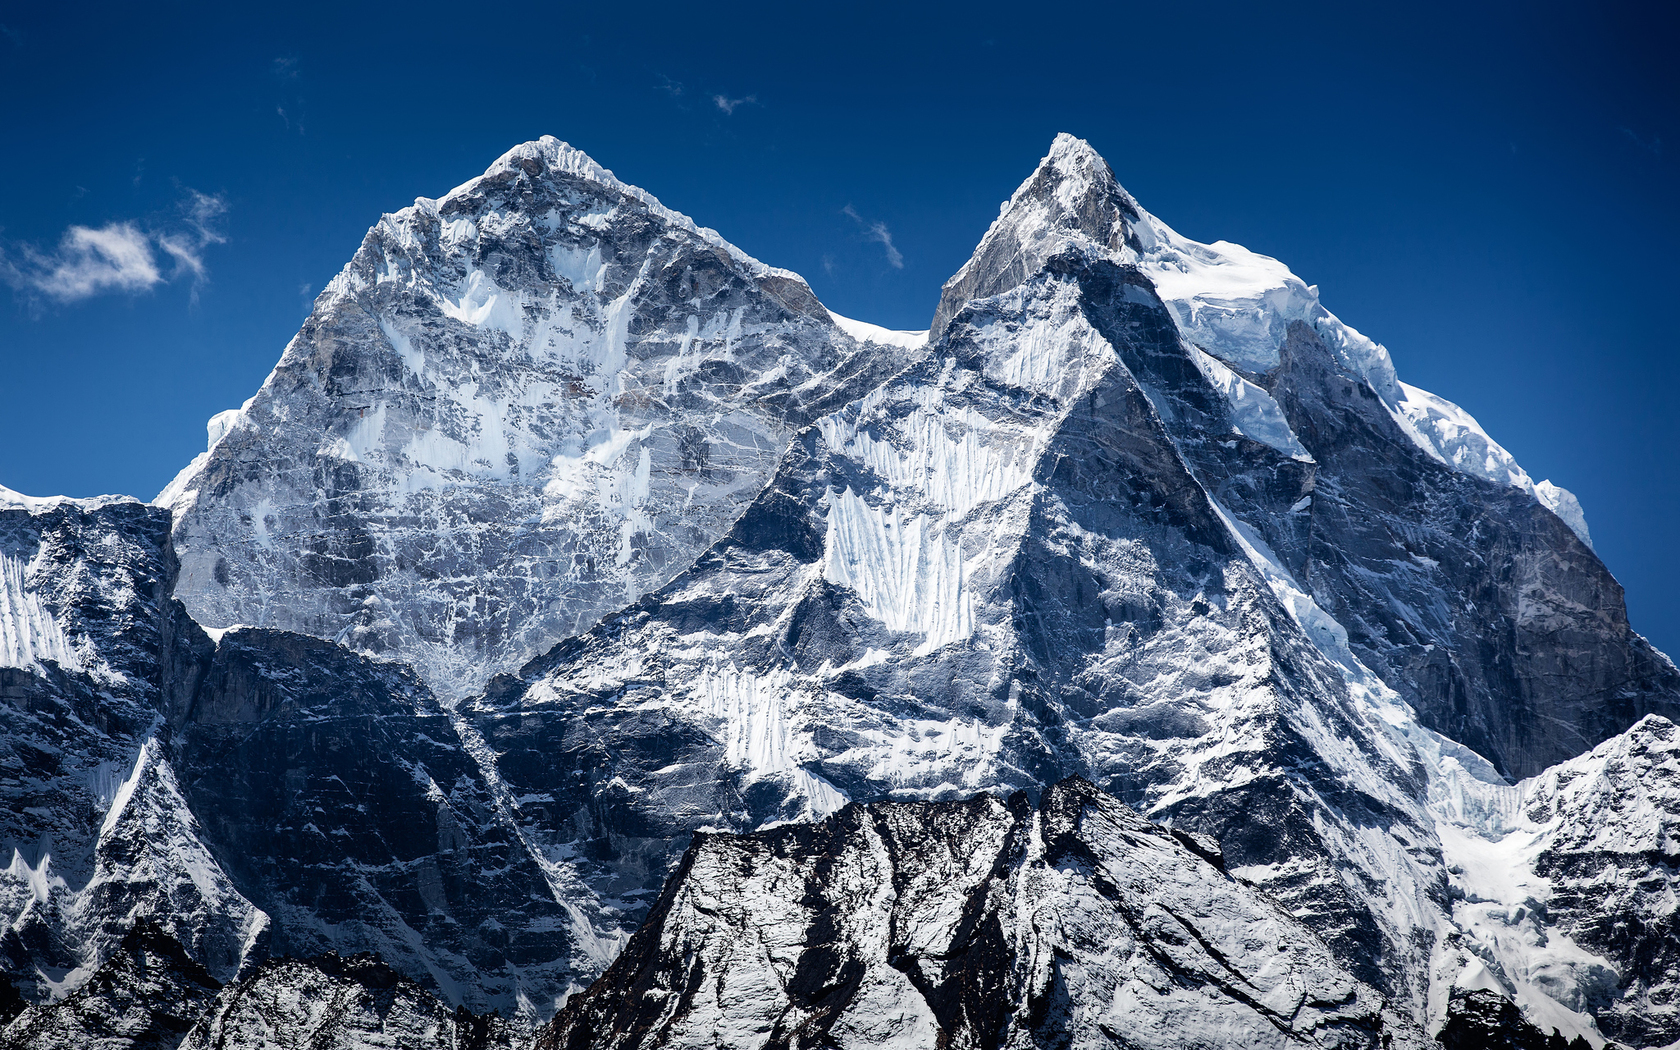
(329, 1003)
(1056, 546)
(518, 408)
(580, 612)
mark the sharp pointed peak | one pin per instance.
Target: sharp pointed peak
(1071, 199)
(549, 156)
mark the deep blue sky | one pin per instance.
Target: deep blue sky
(1489, 190)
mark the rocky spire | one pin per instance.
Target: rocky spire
(1071, 200)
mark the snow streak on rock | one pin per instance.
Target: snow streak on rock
(28, 632)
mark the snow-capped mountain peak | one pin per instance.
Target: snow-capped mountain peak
(564, 534)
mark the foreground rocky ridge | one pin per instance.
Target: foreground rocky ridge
(974, 923)
(1143, 512)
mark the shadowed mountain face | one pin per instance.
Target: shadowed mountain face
(1141, 512)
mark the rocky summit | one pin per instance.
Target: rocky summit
(584, 639)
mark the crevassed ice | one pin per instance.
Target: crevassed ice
(758, 735)
(907, 572)
(29, 633)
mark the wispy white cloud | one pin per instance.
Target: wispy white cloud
(287, 70)
(1652, 145)
(730, 105)
(116, 257)
(119, 257)
(877, 232)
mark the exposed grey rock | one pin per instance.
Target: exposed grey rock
(1483, 1020)
(970, 924)
(145, 997)
(338, 797)
(329, 1003)
(93, 829)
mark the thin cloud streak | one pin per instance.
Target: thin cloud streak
(877, 232)
(1652, 145)
(730, 105)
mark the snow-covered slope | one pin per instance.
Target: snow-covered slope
(521, 406)
(975, 923)
(1566, 890)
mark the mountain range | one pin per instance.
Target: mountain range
(586, 639)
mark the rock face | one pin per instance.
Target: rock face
(94, 830)
(978, 923)
(520, 407)
(255, 794)
(329, 1003)
(1454, 575)
(145, 997)
(1143, 512)
(339, 799)
(1483, 1020)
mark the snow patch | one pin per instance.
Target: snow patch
(1562, 502)
(1255, 413)
(864, 332)
(907, 573)
(757, 731)
(29, 632)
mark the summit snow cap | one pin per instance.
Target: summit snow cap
(1233, 304)
(550, 155)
